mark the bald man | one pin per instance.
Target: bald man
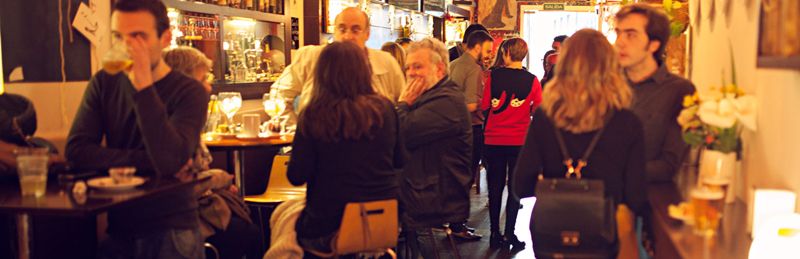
(297, 80)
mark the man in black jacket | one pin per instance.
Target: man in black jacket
(434, 186)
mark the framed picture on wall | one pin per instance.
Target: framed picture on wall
(498, 14)
(779, 34)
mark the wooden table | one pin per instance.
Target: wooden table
(673, 239)
(59, 201)
(233, 147)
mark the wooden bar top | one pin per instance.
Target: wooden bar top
(677, 240)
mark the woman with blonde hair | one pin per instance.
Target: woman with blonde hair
(588, 98)
(397, 51)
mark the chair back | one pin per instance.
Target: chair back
(278, 179)
(367, 227)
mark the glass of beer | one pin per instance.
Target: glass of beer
(707, 210)
(117, 59)
(32, 169)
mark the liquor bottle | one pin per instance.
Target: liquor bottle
(214, 115)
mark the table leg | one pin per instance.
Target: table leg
(24, 235)
(238, 163)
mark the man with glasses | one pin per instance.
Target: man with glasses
(297, 79)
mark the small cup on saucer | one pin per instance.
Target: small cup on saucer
(122, 175)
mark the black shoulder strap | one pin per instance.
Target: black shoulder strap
(582, 162)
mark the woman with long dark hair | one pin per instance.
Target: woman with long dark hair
(511, 93)
(346, 147)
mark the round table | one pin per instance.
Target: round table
(234, 146)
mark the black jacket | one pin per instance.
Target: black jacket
(435, 182)
(17, 118)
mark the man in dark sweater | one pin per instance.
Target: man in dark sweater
(150, 117)
(642, 35)
(434, 185)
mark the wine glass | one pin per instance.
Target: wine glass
(273, 107)
(230, 103)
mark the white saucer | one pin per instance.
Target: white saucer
(107, 184)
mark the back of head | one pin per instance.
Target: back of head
(498, 56)
(477, 38)
(560, 38)
(473, 28)
(154, 7)
(587, 84)
(396, 51)
(343, 105)
(186, 60)
(403, 40)
(517, 49)
(657, 28)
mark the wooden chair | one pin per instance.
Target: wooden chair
(367, 227)
(278, 190)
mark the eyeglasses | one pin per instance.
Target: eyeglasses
(354, 29)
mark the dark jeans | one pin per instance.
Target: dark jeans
(238, 239)
(167, 244)
(477, 150)
(500, 162)
(428, 243)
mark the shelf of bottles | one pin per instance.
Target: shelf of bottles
(243, 50)
(254, 50)
(264, 6)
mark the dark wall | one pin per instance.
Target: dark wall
(30, 39)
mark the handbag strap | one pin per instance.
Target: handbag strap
(582, 162)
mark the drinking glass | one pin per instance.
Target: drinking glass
(706, 210)
(273, 107)
(230, 103)
(117, 58)
(32, 169)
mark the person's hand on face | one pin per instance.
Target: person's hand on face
(141, 74)
(414, 89)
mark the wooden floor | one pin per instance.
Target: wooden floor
(479, 219)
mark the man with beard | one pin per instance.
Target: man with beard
(434, 185)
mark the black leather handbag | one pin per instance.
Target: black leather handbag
(572, 217)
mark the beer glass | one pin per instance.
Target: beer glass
(706, 210)
(117, 58)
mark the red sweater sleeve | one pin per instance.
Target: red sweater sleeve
(486, 99)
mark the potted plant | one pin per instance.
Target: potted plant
(713, 120)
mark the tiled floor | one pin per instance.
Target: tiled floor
(479, 219)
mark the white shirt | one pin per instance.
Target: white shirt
(298, 80)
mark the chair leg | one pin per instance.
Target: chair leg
(212, 248)
(433, 243)
(452, 242)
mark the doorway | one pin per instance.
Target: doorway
(540, 27)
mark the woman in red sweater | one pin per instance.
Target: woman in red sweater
(510, 95)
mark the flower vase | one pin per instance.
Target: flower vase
(719, 165)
